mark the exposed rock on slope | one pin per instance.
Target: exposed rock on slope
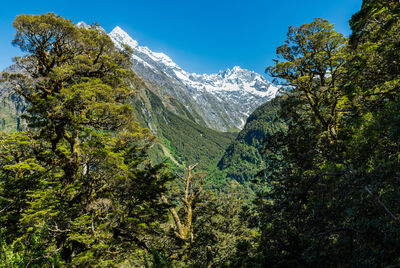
(223, 100)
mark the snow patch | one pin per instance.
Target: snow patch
(233, 93)
(121, 37)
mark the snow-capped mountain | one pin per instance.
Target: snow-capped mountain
(223, 100)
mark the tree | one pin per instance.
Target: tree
(183, 221)
(222, 237)
(372, 85)
(206, 228)
(313, 57)
(89, 189)
(305, 159)
(184, 228)
(335, 172)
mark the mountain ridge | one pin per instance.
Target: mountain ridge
(224, 100)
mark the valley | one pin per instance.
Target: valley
(113, 155)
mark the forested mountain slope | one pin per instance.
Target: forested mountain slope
(245, 156)
(186, 141)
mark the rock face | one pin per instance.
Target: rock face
(221, 101)
(12, 105)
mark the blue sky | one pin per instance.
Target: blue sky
(202, 36)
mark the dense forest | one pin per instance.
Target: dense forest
(311, 181)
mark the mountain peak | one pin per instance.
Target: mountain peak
(223, 100)
(118, 30)
(238, 71)
(83, 25)
(122, 37)
(236, 68)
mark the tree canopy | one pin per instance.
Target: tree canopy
(77, 187)
(78, 177)
(335, 172)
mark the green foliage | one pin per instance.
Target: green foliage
(244, 157)
(77, 188)
(187, 141)
(80, 175)
(219, 228)
(297, 212)
(160, 260)
(8, 256)
(191, 142)
(18, 254)
(334, 173)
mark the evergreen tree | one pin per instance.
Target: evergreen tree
(298, 218)
(335, 174)
(82, 180)
(205, 228)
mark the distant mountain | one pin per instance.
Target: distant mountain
(223, 100)
(181, 107)
(182, 141)
(12, 105)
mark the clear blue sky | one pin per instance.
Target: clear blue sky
(202, 36)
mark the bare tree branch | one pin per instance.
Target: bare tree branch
(381, 203)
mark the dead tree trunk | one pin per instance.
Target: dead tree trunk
(184, 228)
